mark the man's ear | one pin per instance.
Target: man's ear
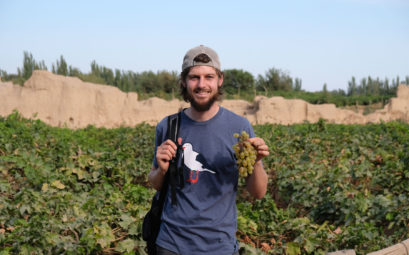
(221, 80)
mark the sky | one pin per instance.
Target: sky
(317, 41)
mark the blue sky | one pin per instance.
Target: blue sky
(318, 41)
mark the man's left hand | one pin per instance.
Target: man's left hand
(260, 146)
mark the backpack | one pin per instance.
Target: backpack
(173, 177)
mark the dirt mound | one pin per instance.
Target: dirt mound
(291, 111)
(397, 108)
(67, 101)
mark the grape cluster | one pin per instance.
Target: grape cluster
(245, 154)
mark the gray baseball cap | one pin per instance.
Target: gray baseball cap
(189, 59)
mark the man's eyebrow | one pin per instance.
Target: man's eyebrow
(197, 75)
(207, 74)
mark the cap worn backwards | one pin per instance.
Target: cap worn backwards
(194, 57)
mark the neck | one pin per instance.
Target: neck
(202, 116)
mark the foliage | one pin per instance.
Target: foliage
(275, 79)
(334, 187)
(61, 67)
(238, 81)
(374, 87)
(24, 73)
(336, 98)
(74, 192)
(238, 84)
(85, 191)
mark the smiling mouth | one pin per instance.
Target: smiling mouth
(202, 92)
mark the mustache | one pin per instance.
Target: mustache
(197, 90)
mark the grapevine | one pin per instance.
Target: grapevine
(245, 154)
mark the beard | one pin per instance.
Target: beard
(202, 107)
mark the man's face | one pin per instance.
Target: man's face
(203, 83)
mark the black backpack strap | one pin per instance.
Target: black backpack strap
(173, 127)
(173, 172)
(152, 221)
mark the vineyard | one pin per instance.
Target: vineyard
(85, 191)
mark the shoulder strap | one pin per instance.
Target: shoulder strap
(172, 173)
(173, 127)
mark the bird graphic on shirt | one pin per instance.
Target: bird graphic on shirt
(190, 160)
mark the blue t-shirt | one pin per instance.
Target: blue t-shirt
(205, 219)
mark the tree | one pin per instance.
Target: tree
(377, 85)
(101, 74)
(61, 67)
(386, 86)
(236, 81)
(261, 84)
(395, 83)
(29, 65)
(108, 75)
(169, 82)
(147, 82)
(364, 87)
(275, 79)
(325, 93)
(3, 75)
(298, 84)
(324, 88)
(95, 70)
(352, 87)
(118, 78)
(73, 71)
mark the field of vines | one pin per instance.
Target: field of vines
(331, 187)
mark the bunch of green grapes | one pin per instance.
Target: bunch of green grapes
(245, 154)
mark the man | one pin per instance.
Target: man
(204, 221)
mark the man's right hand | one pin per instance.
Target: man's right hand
(164, 154)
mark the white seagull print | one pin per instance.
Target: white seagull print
(189, 156)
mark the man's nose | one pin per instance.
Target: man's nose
(201, 82)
